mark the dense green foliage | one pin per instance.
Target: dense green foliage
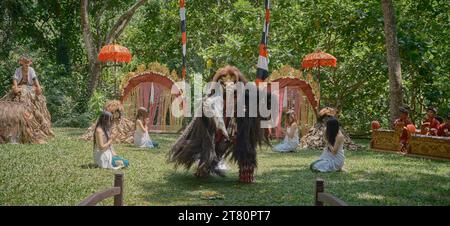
(57, 173)
(228, 32)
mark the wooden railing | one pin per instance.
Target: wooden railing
(116, 191)
(322, 198)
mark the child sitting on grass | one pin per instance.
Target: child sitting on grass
(141, 137)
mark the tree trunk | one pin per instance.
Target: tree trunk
(95, 66)
(393, 59)
(95, 71)
(91, 49)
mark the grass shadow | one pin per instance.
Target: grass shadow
(72, 132)
(89, 166)
(294, 185)
(183, 188)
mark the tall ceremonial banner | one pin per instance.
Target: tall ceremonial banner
(183, 37)
(262, 71)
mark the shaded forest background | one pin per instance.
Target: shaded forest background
(228, 32)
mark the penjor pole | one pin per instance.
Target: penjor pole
(262, 71)
(183, 37)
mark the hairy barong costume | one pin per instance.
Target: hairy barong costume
(210, 138)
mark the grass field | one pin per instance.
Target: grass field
(56, 173)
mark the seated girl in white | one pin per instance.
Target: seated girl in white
(291, 140)
(104, 154)
(332, 158)
(141, 137)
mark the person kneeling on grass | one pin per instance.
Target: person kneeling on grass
(332, 158)
(291, 140)
(104, 154)
(141, 137)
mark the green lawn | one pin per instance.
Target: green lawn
(56, 174)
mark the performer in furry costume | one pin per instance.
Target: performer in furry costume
(24, 117)
(208, 139)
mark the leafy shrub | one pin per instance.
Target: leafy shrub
(95, 104)
(65, 114)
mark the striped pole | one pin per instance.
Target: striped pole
(262, 71)
(183, 37)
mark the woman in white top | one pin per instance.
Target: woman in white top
(332, 158)
(291, 140)
(104, 155)
(141, 137)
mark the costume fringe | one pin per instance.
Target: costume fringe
(122, 127)
(24, 118)
(197, 144)
(315, 138)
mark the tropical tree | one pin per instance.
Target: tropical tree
(103, 34)
(393, 59)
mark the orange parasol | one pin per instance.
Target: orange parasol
(318, 59)
(114, 53)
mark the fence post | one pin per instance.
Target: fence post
(319, 189)
(118, 182)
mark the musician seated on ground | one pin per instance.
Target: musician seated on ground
(440, 119)
(444, 128)
(401, 123)
(430, 124)
(25, 75)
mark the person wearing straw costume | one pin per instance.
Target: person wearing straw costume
(24, 117)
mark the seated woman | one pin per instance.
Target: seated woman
(104, 155)
(430, 124)
(332, 158)
(291, 140)
(141, 137)
(444, 128)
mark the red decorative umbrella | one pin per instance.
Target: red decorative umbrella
(318, 59)
(114, 53)
(117, 54)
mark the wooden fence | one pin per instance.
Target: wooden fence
(116, 191)
(322, 198)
